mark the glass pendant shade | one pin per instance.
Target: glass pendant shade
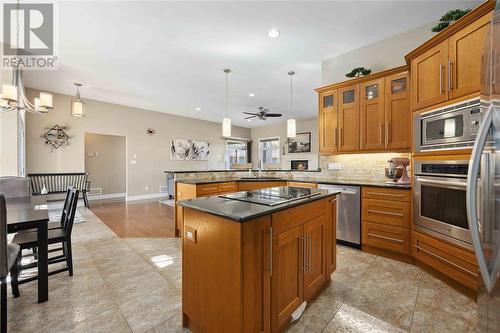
(77, 108)
(46, 100)
(291, 128)
(226, 127)
(9, 92)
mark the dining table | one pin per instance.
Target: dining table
(32, 213)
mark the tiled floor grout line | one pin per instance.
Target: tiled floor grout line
(416, 300)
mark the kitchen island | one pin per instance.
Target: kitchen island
(249, 265)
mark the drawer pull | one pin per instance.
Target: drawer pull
(208, 189)
(386, 213)
(387, 194)
(387, 238)
(446, 261)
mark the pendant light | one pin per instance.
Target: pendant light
(77, 105)
(291, 126)
(226, 122)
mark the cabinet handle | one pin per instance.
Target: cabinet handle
(441, 89)
(341, 138)
(450, 75)
(382, 133)
(389, 134)
(302, 267)
(209, 189)
(309, 253)
(271, 251)
(386, 213)
(387, 238)
(446, 261)
(333, 200)
(335, 137)
(387, 194)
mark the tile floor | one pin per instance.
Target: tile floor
(134, 285)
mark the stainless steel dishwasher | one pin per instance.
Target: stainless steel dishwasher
(348, 213)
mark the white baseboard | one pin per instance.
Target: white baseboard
(146, 196)
(106, 196)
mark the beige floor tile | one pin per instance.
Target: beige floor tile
(352, 320)
(144, 313)
(319, 313)
(298, 327)
(172, 325)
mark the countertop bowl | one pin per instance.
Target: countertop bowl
(393, 174)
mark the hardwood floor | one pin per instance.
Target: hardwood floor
(137, 219)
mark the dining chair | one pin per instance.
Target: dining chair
(15, 187)
(29, 240)
(8, 255)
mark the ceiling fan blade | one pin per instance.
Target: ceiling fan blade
(252, 113)
(250, 117)
(273, 114)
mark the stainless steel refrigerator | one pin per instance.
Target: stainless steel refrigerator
(483, 184)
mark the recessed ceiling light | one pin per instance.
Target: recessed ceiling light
(273, 33)
(198, 109)
(251, 94)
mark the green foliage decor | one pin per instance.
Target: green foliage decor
(449, 18)
(359, 71)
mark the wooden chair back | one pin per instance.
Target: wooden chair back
(4, 269)
(69, 211)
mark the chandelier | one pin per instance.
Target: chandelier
(13, 96)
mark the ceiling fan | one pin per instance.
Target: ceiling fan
(263, 114)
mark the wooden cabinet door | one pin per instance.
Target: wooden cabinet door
(331, 235)
(328, 122)
(349, 118)
(287, 278)
(372, 115)
(397, 112)
(465, 58)
(428, 77)
(314, 256)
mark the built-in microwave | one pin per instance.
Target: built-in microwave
(451, 127)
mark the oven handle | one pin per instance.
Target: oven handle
(449, 184)
(489, 276)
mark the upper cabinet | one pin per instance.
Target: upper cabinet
(349, 118)
(328, 121)
(370, 113)
(448, 66)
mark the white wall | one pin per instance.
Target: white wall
(279, 130)
(152, 153)
(378, 56)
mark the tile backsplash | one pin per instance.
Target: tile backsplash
(358, 166)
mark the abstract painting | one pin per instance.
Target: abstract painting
(180, 150)
(200, 150)
(300, 144)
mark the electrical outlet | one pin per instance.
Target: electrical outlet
(133, 162)
(334, 166)
(147, 188)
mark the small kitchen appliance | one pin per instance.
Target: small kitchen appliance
(396, 172)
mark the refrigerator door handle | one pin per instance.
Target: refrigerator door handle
(489, 276)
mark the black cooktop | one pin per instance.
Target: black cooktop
(274, 195)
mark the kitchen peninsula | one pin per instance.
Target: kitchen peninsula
(252, 259)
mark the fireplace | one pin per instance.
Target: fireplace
(299, 164)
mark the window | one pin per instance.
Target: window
(237, 152)
(269, 150)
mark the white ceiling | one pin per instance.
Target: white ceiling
(169, 56)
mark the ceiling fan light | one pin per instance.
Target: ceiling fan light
(291, 128)
(78, 108)
(9, 92)
(46, 100)
(226, 127)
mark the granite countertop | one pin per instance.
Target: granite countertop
(240, 211)
(303, 180)
(240, 170)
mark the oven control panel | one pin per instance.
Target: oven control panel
(475, 120)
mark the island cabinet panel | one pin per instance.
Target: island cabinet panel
(287, 288)
(428, 77)
(372, 115)
(465, 60)
(204, 190)
(227, 187)
(249, 186)
(328, 122)
(212, 245)
(397, 112)
(331, 238)
(349, 118)
(314, 256)
(302, 184)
